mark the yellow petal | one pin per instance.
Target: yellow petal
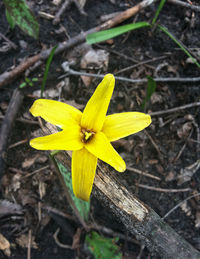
(83, 172)
(68, 139)
(57, 113)
(100, 146)
(96, 108)
(120, 125)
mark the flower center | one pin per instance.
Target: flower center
(86, 135)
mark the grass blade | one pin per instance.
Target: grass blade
(151, 87)
(49, 60)
(111, 33)
(165, 30)
(162, 2)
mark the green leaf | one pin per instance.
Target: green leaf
(162, 2)
(111, 33)
(34, 79)
(22, 16)
(82, 206)
(101, 247)
(10, 20)
(165, 30)
(22, 85)
(49, 60)
(151, 87)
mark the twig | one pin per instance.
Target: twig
(182, 149)
(155, 146)
(7, 124)
(55, 236)
(181, 3)
(161, 189)
(176, 109)
(110, 232)
(21, 142)
(12, 44)
(29, 244)
(137, 171)
(37, 171)
(139, 64)
(95, 226)
(179, 204)
(7, 77)
(142, 80)
(56, 20)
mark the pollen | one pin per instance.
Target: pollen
(86, 135)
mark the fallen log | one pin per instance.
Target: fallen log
(138, 218)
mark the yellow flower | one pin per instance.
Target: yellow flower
(88, 134)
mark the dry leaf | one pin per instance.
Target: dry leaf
(5, 245)
(23, 241)
(187, 172)
(28, 162)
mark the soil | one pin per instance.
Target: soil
(165, 149)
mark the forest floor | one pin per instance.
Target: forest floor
(168, 150)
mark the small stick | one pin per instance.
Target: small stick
(137, 171)
(182, 149)
(180, 108)
(29, 244)
(139, 64)
(141, 80)
(56, 20)
(55, 236)
(37, 171)
(11, 113)
(12, 44)
(179, 204)
(21, 142)
(161, 189)
(181, 3)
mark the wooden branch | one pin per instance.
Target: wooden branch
(11, 113)
(136, 216)
(8, 77)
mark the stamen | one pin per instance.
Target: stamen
(86, 135)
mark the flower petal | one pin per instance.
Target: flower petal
(57, 113)
(120, 125)
(83, 172)
(68, 139)
(100, 146)
(96, 108)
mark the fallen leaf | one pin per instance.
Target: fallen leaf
(23, 241)
(187, 172)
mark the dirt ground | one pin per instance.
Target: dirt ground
(168, 150)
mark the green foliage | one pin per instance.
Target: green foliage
(103, 248)
(49, 60)
(28, 82)
(162, 2)
(165, 30)
(82, 206)
(151, 87)
(10, 20)
(17, 12)
(111, 33)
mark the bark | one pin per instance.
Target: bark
(142, 221)
(13, 108)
